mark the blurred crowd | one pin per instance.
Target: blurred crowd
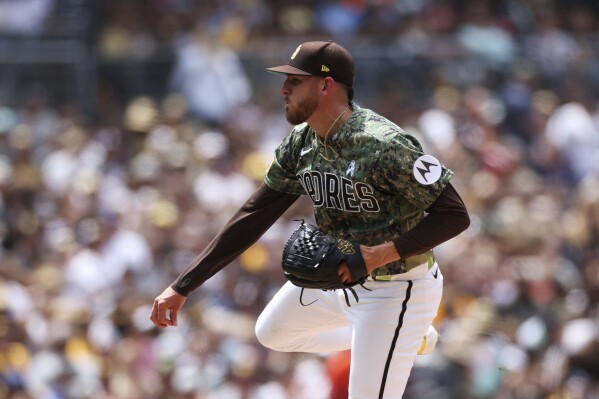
(100, 214)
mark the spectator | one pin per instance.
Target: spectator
(210, 76)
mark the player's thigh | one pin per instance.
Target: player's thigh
(292, 312)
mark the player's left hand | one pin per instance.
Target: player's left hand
(343, 273)
(166, 308)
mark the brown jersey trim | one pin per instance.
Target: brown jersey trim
(447, 217)
(250, 222)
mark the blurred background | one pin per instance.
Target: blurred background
(131, 130)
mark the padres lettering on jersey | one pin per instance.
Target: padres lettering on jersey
(338, 192)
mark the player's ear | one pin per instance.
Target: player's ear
(326, 84)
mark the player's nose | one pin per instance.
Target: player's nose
(285, 89)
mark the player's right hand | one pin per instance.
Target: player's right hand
(166, 308)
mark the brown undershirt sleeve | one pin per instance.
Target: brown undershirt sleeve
(250, 222)
(447, 217)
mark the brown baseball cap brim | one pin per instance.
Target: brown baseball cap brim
(320, 58)
(288, 69)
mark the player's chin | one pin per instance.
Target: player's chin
(293, 117)
(290, 116)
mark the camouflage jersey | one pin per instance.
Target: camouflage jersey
(370, 183)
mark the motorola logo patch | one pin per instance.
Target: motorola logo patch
(427, 170)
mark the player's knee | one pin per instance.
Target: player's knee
(269, 336)
(265, 335)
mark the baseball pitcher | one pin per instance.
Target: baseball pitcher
(365, 277)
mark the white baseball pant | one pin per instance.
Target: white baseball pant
(384, 330)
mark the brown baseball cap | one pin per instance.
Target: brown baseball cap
(320, 58)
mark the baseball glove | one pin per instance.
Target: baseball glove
(311, 259)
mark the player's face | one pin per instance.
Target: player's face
(301, 98)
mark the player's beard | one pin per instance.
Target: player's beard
(300, 113)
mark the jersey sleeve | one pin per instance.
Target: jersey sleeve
(447, 217)
(250, 222)
(281, 175)
(408, 172)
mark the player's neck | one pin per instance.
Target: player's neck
(331, 120)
